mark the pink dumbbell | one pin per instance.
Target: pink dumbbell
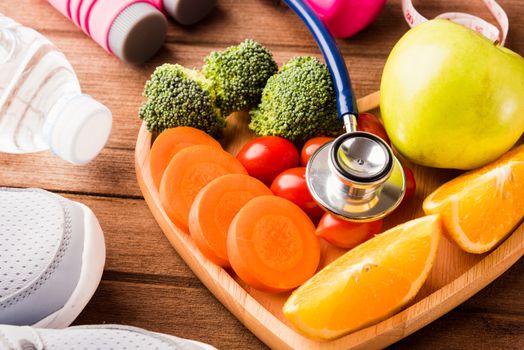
(346, 17)
(132, 30)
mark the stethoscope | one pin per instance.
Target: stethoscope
(356, 176)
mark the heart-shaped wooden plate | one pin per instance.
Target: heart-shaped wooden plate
(455, 277)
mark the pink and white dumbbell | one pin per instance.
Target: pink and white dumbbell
(132, 30)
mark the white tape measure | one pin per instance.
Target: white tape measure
(414, 18)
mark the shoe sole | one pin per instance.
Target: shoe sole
(93, 261)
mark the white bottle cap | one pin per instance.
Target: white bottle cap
(80, 130)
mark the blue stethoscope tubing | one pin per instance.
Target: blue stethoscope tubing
(346, 102)
(358, 193)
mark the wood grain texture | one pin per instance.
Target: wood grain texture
(145, 279)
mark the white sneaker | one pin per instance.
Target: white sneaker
(52, 256)
(103, 337)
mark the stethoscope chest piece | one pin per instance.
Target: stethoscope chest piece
(356, 177)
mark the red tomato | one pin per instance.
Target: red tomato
(291, 184)
(346, 234)
(411, 185)
(266, 157)
(311, 146)
(368, 122)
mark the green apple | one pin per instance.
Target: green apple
(450, 98)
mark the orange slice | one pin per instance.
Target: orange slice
(481, 207)
(368, 283)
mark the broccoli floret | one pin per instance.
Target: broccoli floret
(177, 96)
(239, 75)
(298, 103)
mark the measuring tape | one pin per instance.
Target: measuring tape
(414, 18)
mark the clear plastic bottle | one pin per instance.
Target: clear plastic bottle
(41, 103)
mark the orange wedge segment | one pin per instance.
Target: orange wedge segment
(368, 283)
(481, 207)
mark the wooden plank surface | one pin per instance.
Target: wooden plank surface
(145, 283)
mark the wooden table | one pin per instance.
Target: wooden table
(145, 282)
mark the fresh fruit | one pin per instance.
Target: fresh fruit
(187, 173)
(311, 147)
(271, 244)
(291, 184)
(368, 283)
(346, 234)
(450, 98)
(214, 208)
(411, 185)
(369, 123)
(169, 142)
(481, 207)
(266, 157)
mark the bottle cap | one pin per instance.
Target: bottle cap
(80, 130)
(188, 12)
(137, 33)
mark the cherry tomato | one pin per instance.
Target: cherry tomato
(266, 157)
(311, 146)
(411, 185)
(346, 234)
(368, 122)
(291, 184)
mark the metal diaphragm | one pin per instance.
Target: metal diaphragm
(356, 177)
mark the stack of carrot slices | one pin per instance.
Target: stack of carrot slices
(170, 142)
(233, 218)
(215, 207)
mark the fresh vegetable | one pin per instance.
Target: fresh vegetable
(266, 157)
(271, 244)
(187, 173)
(298, 103)
(169, 142)
(214, 208)
(368, 122)
(480, 208)
(368, 283)
(239, 74)
(411, 185)
(291, 184)
(311, 147)
(346, 234)
(177, 96)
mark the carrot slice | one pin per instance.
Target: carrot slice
(170, 142)
(214, 208)
(271, 244)
(187, 173)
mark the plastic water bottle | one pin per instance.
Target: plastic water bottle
(41, 104)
